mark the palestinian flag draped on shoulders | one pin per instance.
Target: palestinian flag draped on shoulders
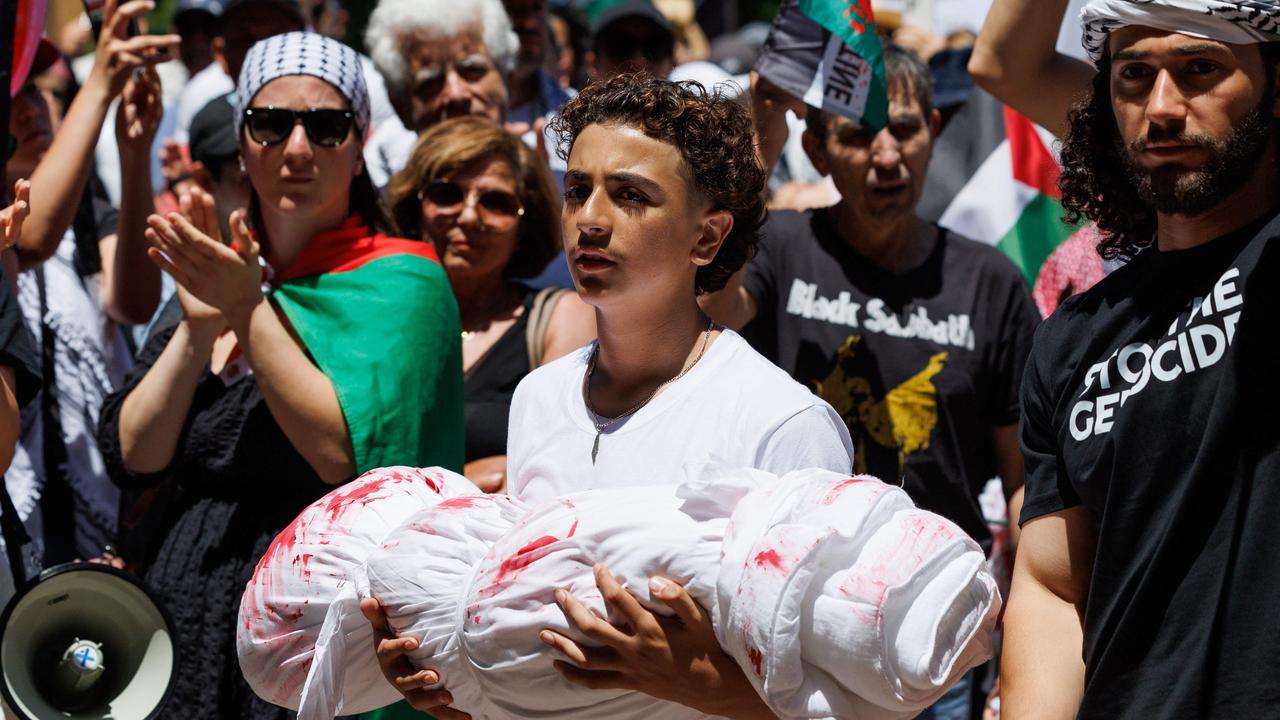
(994, 179)
(378, 316)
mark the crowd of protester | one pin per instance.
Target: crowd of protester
(557, 246)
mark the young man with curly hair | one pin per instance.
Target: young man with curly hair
(662, 204)
(1146, 579)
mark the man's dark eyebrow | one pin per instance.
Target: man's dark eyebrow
(1181, 50)
(577, 175)
(633, 179)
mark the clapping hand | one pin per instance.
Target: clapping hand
(12, 217)
(226, 279)
(139, 114)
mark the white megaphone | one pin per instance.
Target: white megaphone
(85, 641)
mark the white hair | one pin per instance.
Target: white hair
(392, 20)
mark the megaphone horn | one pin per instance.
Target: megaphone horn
(85, 641)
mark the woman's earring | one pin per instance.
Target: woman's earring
(242, 168)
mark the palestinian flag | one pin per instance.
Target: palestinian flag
(827, 53)
(994, 178)
(378, 316)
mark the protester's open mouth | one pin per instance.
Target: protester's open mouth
(888, 190)
(589, 261)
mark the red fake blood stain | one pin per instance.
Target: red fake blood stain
(512, 566)
(757, 660)
(460, 503)
(362, 494)
(922, 540)
(769, 559)
(834, 493)
(516, 564)
(303, 561)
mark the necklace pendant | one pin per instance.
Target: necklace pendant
(595, 448)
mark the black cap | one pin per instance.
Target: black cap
(290, 7)
(951, 81)
(631, 9)
(212, 138)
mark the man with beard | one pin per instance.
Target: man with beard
(917, 337)
(1144, 577)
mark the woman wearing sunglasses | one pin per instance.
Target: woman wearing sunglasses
(313, 348)
(490, 208)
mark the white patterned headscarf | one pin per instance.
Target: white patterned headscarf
(1239, 22)
(304, 53)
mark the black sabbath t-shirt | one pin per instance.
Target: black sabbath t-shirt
(1151, 401)
(921, 365)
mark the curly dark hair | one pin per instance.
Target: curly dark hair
(714, 136)
(1096, 182)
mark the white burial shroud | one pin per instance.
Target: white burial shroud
(836, 595)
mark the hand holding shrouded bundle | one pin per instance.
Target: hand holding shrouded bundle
(836, 596)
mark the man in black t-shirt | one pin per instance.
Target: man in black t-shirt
(1146, 578)
(915, 336)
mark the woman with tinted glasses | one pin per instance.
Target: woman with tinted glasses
(490, 208)
(313, 348)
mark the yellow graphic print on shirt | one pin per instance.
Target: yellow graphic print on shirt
(900, 422)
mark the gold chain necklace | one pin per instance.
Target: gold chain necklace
(610, 422)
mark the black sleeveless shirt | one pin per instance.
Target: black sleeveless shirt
(488, 388)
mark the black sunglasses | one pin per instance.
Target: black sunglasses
(326, 127)
(449, 195)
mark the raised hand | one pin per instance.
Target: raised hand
(12, 217)
(139, 114)
(118, 55)
(188, 246)
(180, 172)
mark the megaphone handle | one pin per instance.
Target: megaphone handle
(15, 535)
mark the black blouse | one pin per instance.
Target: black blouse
(234, 483)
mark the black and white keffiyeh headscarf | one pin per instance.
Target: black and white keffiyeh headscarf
(1239, 22)
(303, 53)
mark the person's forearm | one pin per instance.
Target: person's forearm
(1042, 665)
(301, 397)
(8, 417)
(57, 183)
(1015, 58)
(130, 281)
(154, 413)
(735, 697)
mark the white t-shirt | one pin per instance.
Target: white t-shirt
(734, 406)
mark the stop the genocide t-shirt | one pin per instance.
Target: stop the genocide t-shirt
(1151, 401)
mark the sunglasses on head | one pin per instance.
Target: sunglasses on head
(326, 127)
(450, 195)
